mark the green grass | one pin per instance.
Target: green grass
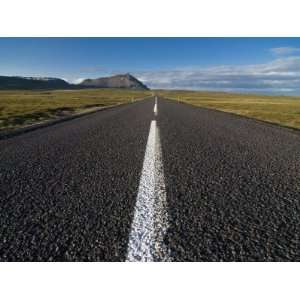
(280, 110)
(20, 108)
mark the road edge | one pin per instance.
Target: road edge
(6, 134)
(269, 123)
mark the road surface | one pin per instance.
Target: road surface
(151, 181)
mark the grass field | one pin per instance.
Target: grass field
(276, 109)
(20, 108)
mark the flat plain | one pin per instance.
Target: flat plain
(20, 108)
(282, 110)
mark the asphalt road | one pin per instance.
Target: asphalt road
(231, 189)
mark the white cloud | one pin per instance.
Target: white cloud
(284, 50)
(77, 80)
(278, 76)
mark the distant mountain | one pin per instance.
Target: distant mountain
(32, 83)
(118, 81)
(45, 83)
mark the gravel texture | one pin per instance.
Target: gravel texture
(68, 191)
(233, 186)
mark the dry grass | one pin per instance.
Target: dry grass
(19, 108)
(281, 110)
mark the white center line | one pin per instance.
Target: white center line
(155, 107)
(150, 222)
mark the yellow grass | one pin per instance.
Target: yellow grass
(19, 108)
(281, 110)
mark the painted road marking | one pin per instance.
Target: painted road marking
(155, 107)
(150, 222)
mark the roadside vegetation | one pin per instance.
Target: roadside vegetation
(20, 108)
(281, 110)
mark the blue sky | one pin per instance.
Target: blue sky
(267, 65)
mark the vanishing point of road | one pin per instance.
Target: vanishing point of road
(154, 180)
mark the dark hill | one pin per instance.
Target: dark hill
(117, 81)
(32, 83)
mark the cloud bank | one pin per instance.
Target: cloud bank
(284, 50)
(280, 76)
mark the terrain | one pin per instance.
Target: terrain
(32, 83)
(153, 180)
(118, 81)
(20, 108)
(282, 110)
(125, 81)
